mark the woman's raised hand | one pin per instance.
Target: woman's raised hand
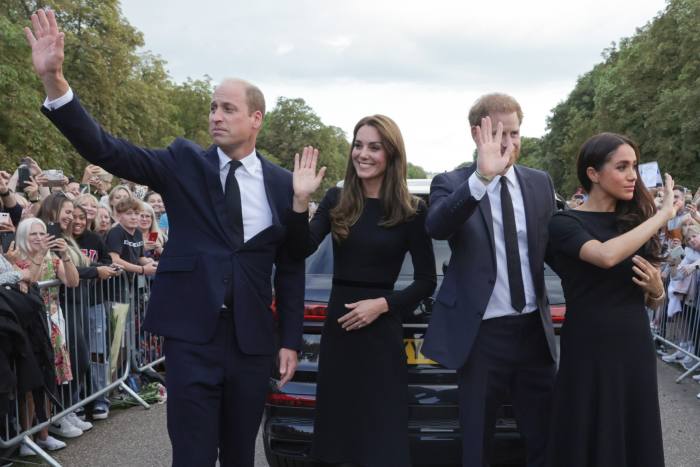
(668, 204)
(305, 178)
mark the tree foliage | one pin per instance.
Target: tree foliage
(129, 92)
(648, 88)
(416, 171)
(290, 126)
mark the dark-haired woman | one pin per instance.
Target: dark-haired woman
(361, 402)
(605, 407)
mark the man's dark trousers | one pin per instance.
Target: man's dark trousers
(215, 381)
(510, 360)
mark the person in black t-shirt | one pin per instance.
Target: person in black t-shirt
(96, 326)
(125, 241)
(125, 244)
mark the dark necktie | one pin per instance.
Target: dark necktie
(233, 201)
(515, 277)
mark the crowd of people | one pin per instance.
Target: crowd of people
(94, 238)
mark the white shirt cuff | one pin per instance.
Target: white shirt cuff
(60, 101)
(477, 187)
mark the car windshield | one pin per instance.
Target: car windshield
(321, 262)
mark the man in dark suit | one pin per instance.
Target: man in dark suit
(491, 319)
(212, 295)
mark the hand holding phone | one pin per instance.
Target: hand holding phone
(152, 236)
(23, 176)
(6, 223)
(54, 177)
(54, 229)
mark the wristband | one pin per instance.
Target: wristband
(143, 270)
(7, 193)
(482, 177)
(661, 295)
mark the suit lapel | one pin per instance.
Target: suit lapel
(216, 193)
(528, 192)
(269, 181)
(485, 210)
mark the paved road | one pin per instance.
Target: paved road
(137, 437)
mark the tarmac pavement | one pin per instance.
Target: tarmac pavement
(137, 437)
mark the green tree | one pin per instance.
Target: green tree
(416, 171)
(290, 126)
(128, 92)
(648, 88)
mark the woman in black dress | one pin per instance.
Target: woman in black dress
(362, 404)
(606, 408)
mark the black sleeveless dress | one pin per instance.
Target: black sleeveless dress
(605, 411)
(362, 393)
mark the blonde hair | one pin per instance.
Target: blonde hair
(80, 200)
(117, 188)
(691, 231)
(22, 234)
(154, 223)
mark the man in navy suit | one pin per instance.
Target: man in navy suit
(212, 295)
(491, 318)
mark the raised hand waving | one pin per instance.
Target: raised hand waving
(47, 44)
(490, 160)
(306, 179)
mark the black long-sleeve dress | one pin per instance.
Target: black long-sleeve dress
(605, 411)
(362, 404)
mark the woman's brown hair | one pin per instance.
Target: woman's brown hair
(595, 152)
(397, 203)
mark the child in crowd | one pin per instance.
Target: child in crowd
(125, 240)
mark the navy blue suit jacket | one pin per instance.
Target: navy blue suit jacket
(470, 277)
(201, 258)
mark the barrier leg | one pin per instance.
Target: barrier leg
(133, 394)
(40, 452)
(689, 372)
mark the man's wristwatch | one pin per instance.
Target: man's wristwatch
(7, 193)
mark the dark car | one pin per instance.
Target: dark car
(435, 437)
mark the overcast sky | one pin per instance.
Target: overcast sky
(421, 63)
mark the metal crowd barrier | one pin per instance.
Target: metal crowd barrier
(676, 323)
(100, 325)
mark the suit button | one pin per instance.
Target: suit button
(225, 281)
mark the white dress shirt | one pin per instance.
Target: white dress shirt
(499, 303)
(256, 210)
(257, 215)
